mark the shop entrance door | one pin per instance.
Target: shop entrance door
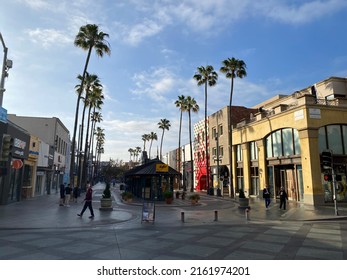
(288, 181)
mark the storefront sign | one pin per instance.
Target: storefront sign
(161, 168)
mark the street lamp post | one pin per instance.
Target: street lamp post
(6, 65)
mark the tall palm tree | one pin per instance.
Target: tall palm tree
(96, 118)
(91, 83)
(131, 152)
(152, 136)
(232, 68)
(208, 77)
(95, 98)
(191, 106)
(137, 152)
(99, 149)
(145, 138)
(88, 38)
(180, 104)
(164, 124)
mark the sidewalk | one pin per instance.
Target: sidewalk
(40, 229)
(45, 212)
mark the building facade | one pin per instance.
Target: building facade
(53, 132)
(279, 143)
(282, 145)
(12, 175)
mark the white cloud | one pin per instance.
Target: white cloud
(48, 37)
(135, 34)
(154, 84)
(299, 12)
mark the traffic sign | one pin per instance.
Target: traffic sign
(17, 164)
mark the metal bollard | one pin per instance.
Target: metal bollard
(182, 217)
(247, 213)
(215, 215)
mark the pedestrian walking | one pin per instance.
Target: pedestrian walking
(68, 191)
(75, 194)
(266, 196)
(88, 202)
(283, 198)
(62, 194)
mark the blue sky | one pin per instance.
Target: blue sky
(156, 47)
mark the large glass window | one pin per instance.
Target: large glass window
(254, 150)
(344, 135)
(277, 143)
(283, 142)
(287, 136)
(322, 140)
(239, 153)
(255, 184)
(269, 146)
(335, 138)
(239, 179)
(297, 148)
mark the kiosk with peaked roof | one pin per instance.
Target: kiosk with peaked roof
(151, 179)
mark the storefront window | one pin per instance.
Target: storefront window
(322, 142)
(239, 180)
(27, 175)
(335, 139)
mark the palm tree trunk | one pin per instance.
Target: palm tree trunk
(150, 148)
(86, 154)
(72, 162)
(179, 149)
(161, 145)
(80, 170)
(232, 189)
(206, 144)
(191, 153)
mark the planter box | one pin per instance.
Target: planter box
(106, 204)
(243, 202)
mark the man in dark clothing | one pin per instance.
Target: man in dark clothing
(62, 194)
(283, 198)
(266, 196)
(88, 202)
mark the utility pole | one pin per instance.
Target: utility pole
(6, 65)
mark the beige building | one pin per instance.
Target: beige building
(282, 144)
(279, 143)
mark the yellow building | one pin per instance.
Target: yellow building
(280, 144)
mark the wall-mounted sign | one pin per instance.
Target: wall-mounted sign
(161, 167)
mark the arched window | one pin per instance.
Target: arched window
(283, 142)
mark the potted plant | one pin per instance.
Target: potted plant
(178, 194)
(127, 196)
(194, 198)
(168, 196)
(243, 200)
(106, 199)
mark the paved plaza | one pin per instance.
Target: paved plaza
(215, 229)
